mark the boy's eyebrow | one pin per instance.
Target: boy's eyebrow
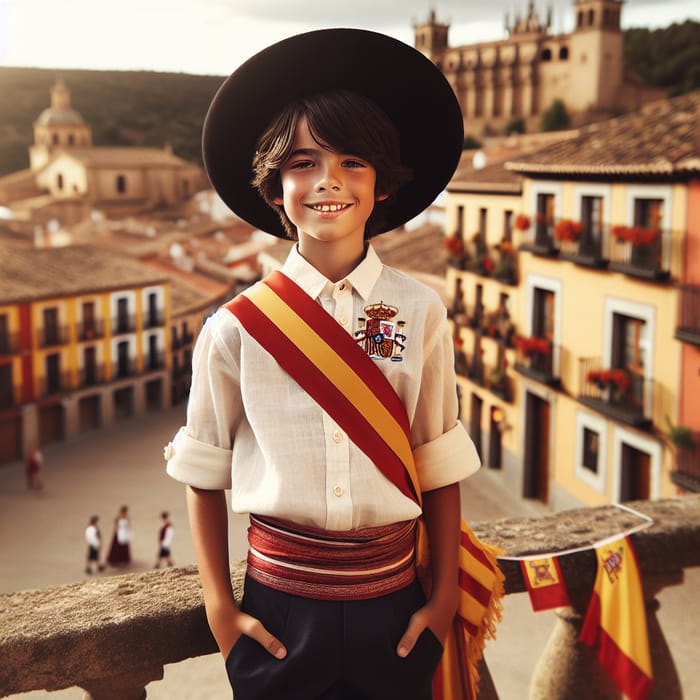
(304, 152)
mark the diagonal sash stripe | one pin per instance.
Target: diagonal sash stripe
(327, 394)
(314, 331)
(336, 337)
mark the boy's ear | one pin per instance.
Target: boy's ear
(382, 197)
(279, 201)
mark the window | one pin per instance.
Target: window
(591, 448)
(629, 350)
(121, 184)
(51, 333)
(546, 54)
(592, 223)
(59, 181)
(545, 218)
(89, 325)
(123, 325)
(590, 458)
(563, 53)
(508, 225)
(6, 390)
(4, 335)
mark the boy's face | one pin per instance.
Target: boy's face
(327, 195)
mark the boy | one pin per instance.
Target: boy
(362, 134)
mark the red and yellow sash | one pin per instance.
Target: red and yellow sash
(327, 363)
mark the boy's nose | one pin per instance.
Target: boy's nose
(329, 180)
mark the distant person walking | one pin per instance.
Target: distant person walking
(120, 547)
(165, 540)
(35, 462)
(94, 543)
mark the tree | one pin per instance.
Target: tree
(515, 126)
(555, 118)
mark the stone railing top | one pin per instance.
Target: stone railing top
(80, 634)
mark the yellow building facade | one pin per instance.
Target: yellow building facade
(592, 360)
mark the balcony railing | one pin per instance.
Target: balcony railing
(124, 324)
(500, 384)
(687, 471)
(91, 330)
(154, 319)
(154, 361)
(688, 329)
(92, 375)
(124, 369)
(55, 384)
(537, 358)
(616, 392)
(53, 335)
(9, 344)
(640, 252)
(10, 396)
(112, 636)
(539, 238)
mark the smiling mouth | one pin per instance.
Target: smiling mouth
(328, 208)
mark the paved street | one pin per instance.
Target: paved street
(41, 544)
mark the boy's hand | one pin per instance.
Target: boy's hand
(228, 625)
(437, 618)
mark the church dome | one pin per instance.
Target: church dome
(56, 116)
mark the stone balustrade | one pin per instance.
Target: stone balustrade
(112, 636)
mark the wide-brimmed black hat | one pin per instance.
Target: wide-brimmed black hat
(402, 81)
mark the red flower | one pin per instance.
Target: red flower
(454, 245)
(567, 230)
(529, 346)
(487, 265)
(522, 222)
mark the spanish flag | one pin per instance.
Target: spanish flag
(615, 623)
(544, 583)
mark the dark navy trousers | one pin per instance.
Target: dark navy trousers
(335, 650)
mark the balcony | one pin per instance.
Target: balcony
(50, 336)
(154, 362)
(91, 375)
(688, 328)
(500, 384)
(687, 471)
(538, 237)
(112, 636)
(124, 369)
(91, 330)
(9, 344)
(640, 252)
(125, 323)
(616, 392)
(154, 319)
(55, 384)
(536, 358)
(580, 244)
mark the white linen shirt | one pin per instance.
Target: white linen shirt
(252, 429)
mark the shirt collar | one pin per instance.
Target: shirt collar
(362, 278)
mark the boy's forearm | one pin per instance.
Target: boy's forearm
(442, 513)
(208, 516)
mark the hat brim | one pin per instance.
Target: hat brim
(402, 81)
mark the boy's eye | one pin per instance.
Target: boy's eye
(354, 163)
(300, 164)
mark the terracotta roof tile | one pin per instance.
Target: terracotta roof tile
(45, 273)
(663, 138)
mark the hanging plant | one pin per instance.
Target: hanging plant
(522, 222)
(568, 230)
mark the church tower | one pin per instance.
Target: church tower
(597, 61)
(431, 37)
(58, 126)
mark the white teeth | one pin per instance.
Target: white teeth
(329, 207)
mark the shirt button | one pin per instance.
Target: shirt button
(342, 286)
(338, 490)
(343, 320)
(337, 436)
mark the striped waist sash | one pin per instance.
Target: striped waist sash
(331, 565)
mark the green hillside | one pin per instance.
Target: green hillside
(124, 108)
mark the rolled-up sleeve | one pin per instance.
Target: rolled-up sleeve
(447, 459)
(197, 463)
(200, 453)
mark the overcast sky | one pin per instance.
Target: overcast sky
(214, 36)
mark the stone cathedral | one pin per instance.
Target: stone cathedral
(499, 81)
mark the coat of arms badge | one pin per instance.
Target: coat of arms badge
(379, 334)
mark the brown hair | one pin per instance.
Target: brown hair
(345, 122)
